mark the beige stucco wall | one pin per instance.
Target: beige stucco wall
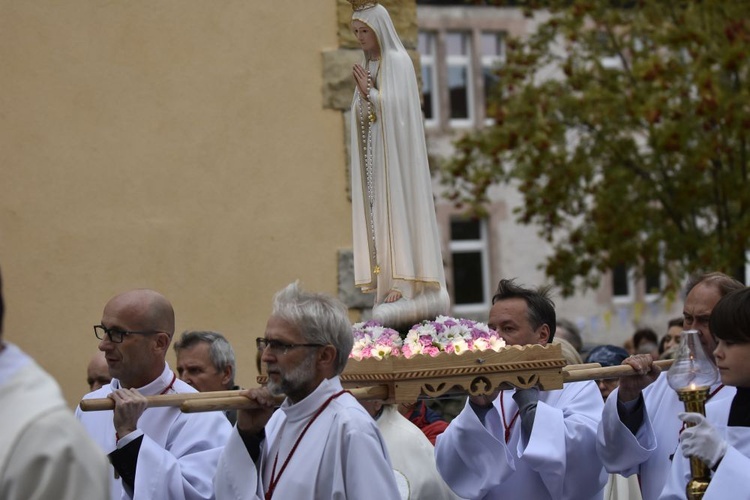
(175, 144)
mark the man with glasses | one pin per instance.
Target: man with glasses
(155, 452)
(321, 443)
(640, 428)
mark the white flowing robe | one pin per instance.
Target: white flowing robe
(44, 452)
(407, 240)
(178, 455)
(730, 479)
(648, 451)
(558, 462)
(622, 488)
(412, 456)
(342, 456)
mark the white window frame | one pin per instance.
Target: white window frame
(651, 297)
(489, 62)
(630, 297)
(429, 63)
(482, 246)
(465, 62)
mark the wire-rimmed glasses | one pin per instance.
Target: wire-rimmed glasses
(279, 347)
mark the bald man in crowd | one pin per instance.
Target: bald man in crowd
(97, 372)
(155, 452)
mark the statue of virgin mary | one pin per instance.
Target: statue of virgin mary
(396, 240)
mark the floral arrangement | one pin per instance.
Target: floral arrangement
(430, 338)
(373, 340)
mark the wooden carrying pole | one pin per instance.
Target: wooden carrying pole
(571, 373)
(210, 398)
(232, 400)
(375, 392)
(579, 375)
(100, 404)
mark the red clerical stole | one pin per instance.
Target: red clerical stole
(274, 477)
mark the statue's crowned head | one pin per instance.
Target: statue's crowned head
(362, 4)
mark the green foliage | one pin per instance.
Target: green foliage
(639, 162)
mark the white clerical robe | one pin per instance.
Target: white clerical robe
(729, 480)
(44, 452)
(178, 455)
(622, 488)
(648, 451)
(412, 456)
(558, 461)
(342, 456)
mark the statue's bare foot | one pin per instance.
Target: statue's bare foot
(392, 297)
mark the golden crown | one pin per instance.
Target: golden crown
(362, 4)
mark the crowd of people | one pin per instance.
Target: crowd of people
(624, 438)
(303, 436)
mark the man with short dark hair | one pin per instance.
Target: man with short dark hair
(155, 452)
(640, 427)
(525, 443)
(205, 360)
(44, 452)
(271, 454)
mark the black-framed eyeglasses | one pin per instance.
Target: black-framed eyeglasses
(279, 347)
(116, 335)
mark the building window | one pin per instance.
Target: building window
(469, 249)
(652, 280)
(430, 101)
(464, 70)
(622, 284)
(458, 66)
(491, 56)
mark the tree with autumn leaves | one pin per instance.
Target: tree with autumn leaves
(626, 129)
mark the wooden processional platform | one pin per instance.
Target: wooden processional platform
(401, 380)
(472, 373)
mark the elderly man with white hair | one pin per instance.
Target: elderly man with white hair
(321, 443)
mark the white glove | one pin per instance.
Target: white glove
(702, 440)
